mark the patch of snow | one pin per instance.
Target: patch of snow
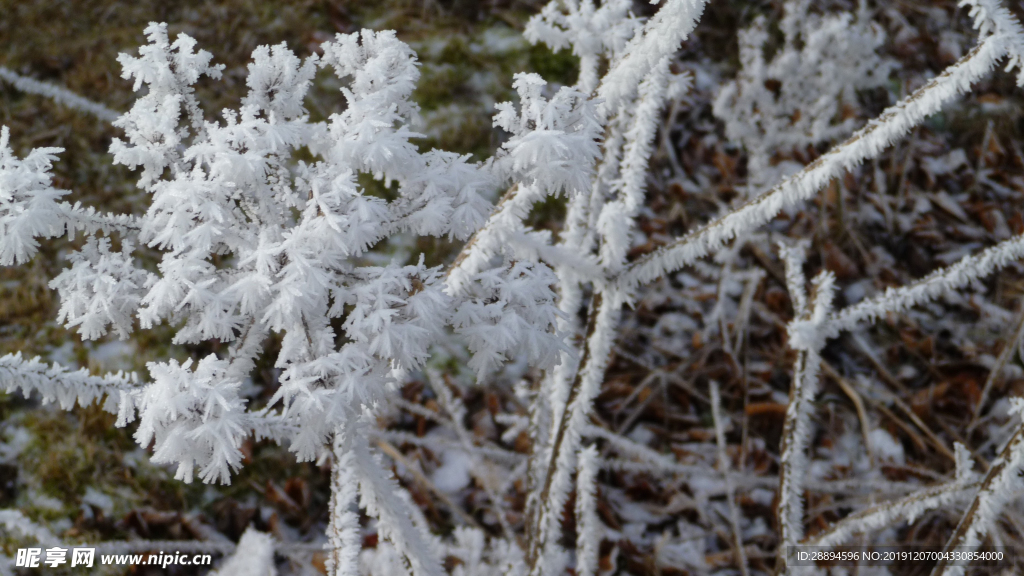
(641, 435)
(95, 498)
(113, 355)
(64, 355)
(17, 438)
(44, 502)
(453, 474)
(886, 447)
(254, 556)
(498, 40)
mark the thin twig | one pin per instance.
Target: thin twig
(968, 532)
(414, 471)
(858, 403)
(723, 466)
(996, 372)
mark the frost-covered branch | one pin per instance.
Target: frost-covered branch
(997, 489)
(382, 497)
(66, 387)
(992, 18)
(561, 456)
(968, 271)
(866, 143)
(730, 490)
(592, 32)
(60, 95)
(660, 38)
(796, 430)
(343, 538)
(905, 509)
(589, 527)
(30, 206)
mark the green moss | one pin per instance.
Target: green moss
(548, 214)
(440, 85)
(461, 130)
(560, 67)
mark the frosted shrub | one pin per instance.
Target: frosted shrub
(288, 237)
(798, 98)
(254, 242)
(265, 224)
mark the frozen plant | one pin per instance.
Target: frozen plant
(807, 93)
(254, 242)
(265, 221)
